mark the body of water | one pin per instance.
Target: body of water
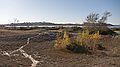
(116, 26)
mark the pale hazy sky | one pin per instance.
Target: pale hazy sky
(57, 10)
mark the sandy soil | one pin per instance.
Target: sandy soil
(41, 49)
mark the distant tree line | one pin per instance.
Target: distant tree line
(30, 24)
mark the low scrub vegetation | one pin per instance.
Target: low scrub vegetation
(62, 42)
(102, 31)
(83, 42)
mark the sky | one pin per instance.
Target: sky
(57, 11)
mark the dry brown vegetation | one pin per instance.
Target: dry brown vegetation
(42, 49)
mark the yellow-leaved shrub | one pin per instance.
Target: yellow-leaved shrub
(87, 39)
(61, 43)
(58, 42)
(66, 39)
(83, 41)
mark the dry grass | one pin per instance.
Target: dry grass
(50, 57)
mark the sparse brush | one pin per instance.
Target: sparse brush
(82, 41)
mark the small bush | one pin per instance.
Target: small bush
(90, 41)
(60, 42)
